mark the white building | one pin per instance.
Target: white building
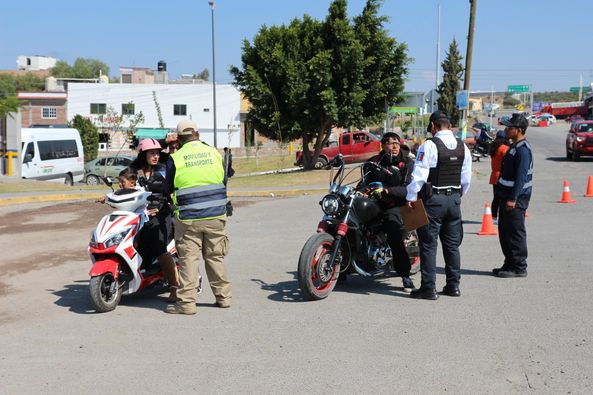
(35, 63)
(176, 102)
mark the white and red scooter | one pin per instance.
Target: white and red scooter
(118, 267)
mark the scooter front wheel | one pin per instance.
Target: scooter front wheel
(105, 292)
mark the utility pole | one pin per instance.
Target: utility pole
(212, 6)
(470, 44)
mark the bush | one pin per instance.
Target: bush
(89, 136)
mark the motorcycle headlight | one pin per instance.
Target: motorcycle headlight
(331, 204)
(93, 243)
(117, 238)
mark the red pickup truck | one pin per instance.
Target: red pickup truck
(354, 147)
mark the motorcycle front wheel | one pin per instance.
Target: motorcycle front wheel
(105, 292)
(315, 278)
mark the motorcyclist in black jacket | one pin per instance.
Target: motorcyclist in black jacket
(394, 173)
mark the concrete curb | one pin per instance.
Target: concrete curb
(48, 198)
(90, 196)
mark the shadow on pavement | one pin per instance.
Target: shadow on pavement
(284, 291)
(467, 272)
(379, 285)
(77, 299)
(564, 159)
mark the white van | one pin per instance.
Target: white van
(53, 154)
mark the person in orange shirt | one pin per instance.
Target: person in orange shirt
(498, 149)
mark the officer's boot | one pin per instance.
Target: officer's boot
(171, 275)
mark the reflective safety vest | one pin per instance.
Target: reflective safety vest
(200, 192)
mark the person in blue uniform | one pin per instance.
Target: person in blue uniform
(441, 175)
(514, 193)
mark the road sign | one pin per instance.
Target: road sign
(518, 88)
(403, 110)
(575, 89)
(462, 100)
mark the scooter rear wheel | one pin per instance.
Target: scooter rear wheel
(105, 292)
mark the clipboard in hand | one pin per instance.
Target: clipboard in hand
(414, 217)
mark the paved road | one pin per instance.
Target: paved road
(502, 335)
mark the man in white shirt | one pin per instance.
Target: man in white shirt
(442, 174)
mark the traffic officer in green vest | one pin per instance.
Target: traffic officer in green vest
(196, 178)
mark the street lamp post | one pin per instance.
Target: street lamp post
(212, 5)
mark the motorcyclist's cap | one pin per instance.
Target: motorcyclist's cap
(516, 121)
(186, 127)
(390, 135)
(436, 116)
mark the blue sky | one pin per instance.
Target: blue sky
(544, 43)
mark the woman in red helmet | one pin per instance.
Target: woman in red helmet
(158, 231)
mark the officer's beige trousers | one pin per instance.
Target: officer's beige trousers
(208, 239)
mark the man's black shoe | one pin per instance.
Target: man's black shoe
(512, 273)
(451, 290)
(498, 269)
(424, 293)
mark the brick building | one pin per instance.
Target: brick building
(43, 108)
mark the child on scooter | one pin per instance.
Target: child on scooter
(127, 181)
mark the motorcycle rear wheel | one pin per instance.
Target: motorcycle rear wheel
(316, 281)
(105, 292)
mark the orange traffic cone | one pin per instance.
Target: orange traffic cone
(487, 224)
(566, 196)
(589, 192)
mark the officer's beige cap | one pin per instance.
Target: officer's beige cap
(187, 126)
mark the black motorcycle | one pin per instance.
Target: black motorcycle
(482, 147)
(349, 237)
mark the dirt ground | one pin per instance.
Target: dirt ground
(25, 247)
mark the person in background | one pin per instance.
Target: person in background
(514, 193)
(498, 149)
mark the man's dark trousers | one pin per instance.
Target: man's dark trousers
(513, 237)
(444, 214)
(394, 227)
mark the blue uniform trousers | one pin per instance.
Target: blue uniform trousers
(513, 237)
(444, 214)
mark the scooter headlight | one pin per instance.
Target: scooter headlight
(331, 204)
(117, 238)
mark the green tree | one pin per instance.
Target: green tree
(8, 104)
(88, 134)
(310, 76)
(82, 68)
(203, 75)
(510, 101)
(452, 73)
(385, 62)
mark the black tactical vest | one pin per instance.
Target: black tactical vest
(447, 173)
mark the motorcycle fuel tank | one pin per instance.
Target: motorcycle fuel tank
(366, 209)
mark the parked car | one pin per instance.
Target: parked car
(109, 166)
(579, 140)
(354, 147)
(470, 136)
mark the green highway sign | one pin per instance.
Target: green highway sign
(403, 110)
(575, 89)
(518, 88)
